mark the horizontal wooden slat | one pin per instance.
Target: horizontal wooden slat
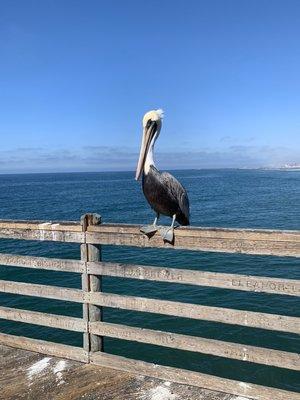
(48, 292)
(218, 348)
(210, 382)
(173, 275)
(248, 241)
(53, 264)
(42, 235)
(43, 319)
(41, 230)
(201, 278)
(212, 232)
(216, 314)
(44, 347)
(73, 226)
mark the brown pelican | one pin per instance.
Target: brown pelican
(163, 192)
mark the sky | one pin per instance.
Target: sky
(76, 77)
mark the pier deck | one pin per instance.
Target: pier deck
(32, 376)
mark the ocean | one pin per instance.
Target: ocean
(219, 198)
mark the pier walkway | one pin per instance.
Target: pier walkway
(32, 376)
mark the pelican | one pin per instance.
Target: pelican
(163, 192)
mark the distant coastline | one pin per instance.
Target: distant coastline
(286, 167)
(293, 166)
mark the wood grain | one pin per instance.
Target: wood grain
(248, 283)
(249, 241)
(91, 283)
(250, 319)
(73, 226)
(281, 359)
(54, 264)
(43, 319)
(210, 382)
(44, 347)
(261, 242)
(48, 292)
(42, 235)
(212, 232)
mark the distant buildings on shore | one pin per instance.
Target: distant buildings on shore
(284, 167)
(290, 166)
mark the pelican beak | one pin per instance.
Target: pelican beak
(148, 134)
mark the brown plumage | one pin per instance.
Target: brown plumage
(166, 195)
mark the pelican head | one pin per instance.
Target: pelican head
(152, 122)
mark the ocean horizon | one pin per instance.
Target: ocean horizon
(163, 169)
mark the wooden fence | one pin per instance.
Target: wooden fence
(91, 234)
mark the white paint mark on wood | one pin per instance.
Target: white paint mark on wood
(241, 398)
(60, 366)
(245, 354)
(38, 367)
(41, 228)
(54, 226)
(58, 371)
(54, 236)
(160, 392)
(244, 386)
(44, 224)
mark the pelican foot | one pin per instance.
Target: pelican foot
(167, 233)
(149, 229)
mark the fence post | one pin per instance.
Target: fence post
(91, 283)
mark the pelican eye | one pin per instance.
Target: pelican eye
(149, 122)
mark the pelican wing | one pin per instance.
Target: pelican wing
(179, 194)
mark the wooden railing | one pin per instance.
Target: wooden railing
(91, 234)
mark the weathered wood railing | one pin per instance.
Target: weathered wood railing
(91, 234)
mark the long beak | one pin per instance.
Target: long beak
(148, 134)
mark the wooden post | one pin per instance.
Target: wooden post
(91, 283)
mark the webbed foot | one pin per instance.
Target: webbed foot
(149, 229)
(167, 233)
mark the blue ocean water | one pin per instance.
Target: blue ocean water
(221, 198)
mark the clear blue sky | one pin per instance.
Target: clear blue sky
(77, 76)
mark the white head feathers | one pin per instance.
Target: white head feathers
(154, 115)
(160, 113)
